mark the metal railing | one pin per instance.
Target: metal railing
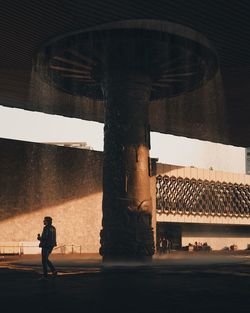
(71, 249)
(20, 249)
(11, 250)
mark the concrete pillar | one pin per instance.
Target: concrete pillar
(127, 206)
(153, 196)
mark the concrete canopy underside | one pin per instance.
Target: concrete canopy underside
(26, 25)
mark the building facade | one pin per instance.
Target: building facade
(200, 205)
(248, 161)
(190, 204)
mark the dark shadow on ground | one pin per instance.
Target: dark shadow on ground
(202, 285)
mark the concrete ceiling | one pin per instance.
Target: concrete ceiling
(25, 25)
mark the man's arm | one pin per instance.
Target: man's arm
(53, 236)
(44, 236)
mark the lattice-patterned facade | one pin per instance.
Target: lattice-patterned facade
(184, 196)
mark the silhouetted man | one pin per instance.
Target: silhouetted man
(47, 243)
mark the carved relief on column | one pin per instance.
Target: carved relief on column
(127, 209)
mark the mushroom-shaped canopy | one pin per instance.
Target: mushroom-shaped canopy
(177, 60)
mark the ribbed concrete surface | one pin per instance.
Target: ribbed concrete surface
(25, 25)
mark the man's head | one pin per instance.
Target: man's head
(47, 220)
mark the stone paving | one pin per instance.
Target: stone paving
(173, 283)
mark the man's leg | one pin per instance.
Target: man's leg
(45, 256)
(50, 264)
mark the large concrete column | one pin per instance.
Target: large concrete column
(127, 207)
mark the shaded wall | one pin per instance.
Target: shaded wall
(38, 180)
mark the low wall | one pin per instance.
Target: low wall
(217, 236)
(218, 243)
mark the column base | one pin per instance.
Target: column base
(132, 241)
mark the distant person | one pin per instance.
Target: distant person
(47, 243)
(164, 244)
(169, 245)
(160, 246)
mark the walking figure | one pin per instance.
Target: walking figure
(47, 243)
(168, 245)
(160, 246)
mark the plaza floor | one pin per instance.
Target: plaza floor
(179, 282)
